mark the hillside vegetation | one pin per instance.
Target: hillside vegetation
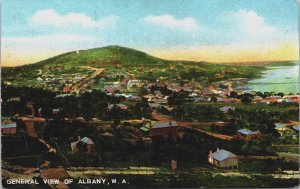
(116, 59)
(283, 63)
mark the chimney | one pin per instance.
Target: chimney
(218, 150)
(79, 138)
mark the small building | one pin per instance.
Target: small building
(247, 134)
(110, 89)
(160, 101)
(85, 145)
(133, 83)
(8, 128)
(223, 159)
(164, 129)
(279, 127)
(226, 109)
(296, 128)
(14, 99)
(107, 134)
(66, 89)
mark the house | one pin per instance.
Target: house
(296, 128)
(160, 101)
(133, 83)
(223, 159)
(226, 109)
(107, 134)
(279, 126)
(287, 100)
(14, 99)
(291, 98)
(55, 111)
(39, 79)
(247, 134)
(219, 99)
(164, 129)
(110, 89)
(66, 89)
(295, 100)
(77, 78)
(8, 128)
(85, 145)
(134, 98)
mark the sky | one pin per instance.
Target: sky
(210, 30)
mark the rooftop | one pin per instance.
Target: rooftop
(227, 108)
(87, 140)
(164, 124)
(247, 131)
(222, 154)
(279, 125)
(296, 127)
(8, 125)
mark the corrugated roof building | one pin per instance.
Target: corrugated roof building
(223, 159)
(247, 134)
(165, 129)
(8, 128)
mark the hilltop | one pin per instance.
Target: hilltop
(116, 60)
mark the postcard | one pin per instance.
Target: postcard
(149, 94)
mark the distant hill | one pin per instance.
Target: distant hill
(102, 56)
(283, 63)
(265, 63)
(122, 60)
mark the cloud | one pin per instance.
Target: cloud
(52, 18)
(248, 27)
(253, 24)
(187, 24)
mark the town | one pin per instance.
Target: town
(93, 122)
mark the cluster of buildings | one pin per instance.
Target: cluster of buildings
(220, 92)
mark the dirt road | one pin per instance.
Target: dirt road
(190, 125)
(81, 83)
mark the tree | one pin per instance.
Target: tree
(246, 100)
(233, 94)
(213, 99)
(280, 94)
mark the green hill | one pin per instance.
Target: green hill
(121, 60)
(283, 63)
